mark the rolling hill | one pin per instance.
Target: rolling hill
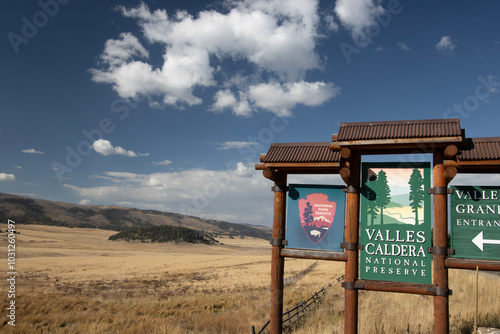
(24, 210)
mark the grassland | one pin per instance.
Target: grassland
(76, 281)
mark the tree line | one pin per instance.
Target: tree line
(164, 233)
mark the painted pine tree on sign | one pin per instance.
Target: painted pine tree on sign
(308, 216)
(383, 191)
(417, 193)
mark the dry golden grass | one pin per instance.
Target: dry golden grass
(394, 313)
(76, 281)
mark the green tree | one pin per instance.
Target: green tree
(416, 192)
(383, 197)
(308, 217)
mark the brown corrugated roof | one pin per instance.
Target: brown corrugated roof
(428, 128)
(301, 153)
(487, 148)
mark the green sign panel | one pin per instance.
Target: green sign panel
(475, 222)
(396, 223)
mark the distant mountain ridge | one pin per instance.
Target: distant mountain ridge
(25, 210)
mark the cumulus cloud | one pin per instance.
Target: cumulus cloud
(331, 24)
(7, 177)
(275, 39)
(118, 52)
(281, 98)
(229, 145)
(84, 202)
(357, 15)
(404, 47)
(162, 163)
(198, 192)
(446, 45)
(225, 99)
(231, 194)
(104, 147)
(32, 151)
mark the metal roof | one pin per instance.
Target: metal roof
(301, 153)
(486, 148)
(429, 128)
(475, 155)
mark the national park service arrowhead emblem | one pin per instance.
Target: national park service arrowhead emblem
(316, 215)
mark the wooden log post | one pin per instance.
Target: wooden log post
(269, 174)
(352, 238)
(277, 261)
(345, 153)
(345, 174)
(440, 272)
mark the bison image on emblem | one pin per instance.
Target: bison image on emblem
(315, 233)
(317, 214)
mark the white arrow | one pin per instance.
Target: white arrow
(479, 241)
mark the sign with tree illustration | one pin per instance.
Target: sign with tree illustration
(395, 223)
(315, 217)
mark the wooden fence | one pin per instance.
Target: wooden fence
(290, 280)
(290, 317)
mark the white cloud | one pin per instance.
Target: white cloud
(232, 194)
(331, 25)
(446, 45)
(104, 147)
(403, 46)
(357, 15)
(162, 163)
(280, 99)
(228, 145)
(225, 99)
(18, 167)
(84, 202)
(7, 177)
(32, 151)
(276, 38)
(118, 52)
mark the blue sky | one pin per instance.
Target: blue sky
(167, 105)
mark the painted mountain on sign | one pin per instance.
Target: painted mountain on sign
(382, 207)
(322, 219)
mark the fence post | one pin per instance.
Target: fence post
(277, 261)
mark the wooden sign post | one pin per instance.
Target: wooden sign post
(277, 261)
(452, 153)
(440, 249)
(351, 244)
